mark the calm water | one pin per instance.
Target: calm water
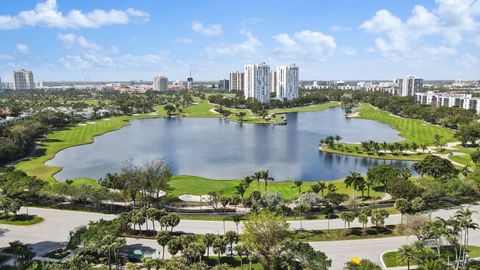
(219, 149)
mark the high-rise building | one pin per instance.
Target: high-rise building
(23, 80)
(237, 79)
(224, 84)
(257, 82)
(287, 82)
(273, 81)
(160, 83)
(409, 86)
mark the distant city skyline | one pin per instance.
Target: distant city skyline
(331, 40)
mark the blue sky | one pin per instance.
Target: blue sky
(328, 39)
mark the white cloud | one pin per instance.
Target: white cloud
(250, 45)
(47, 14)
(450, 20)
(72, 40)
(22, 48)
(307, 44)
(184, 40)
(207, 30)
(382, 21)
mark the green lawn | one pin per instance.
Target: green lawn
(412, 130)
(391, 258)
(349, 150)
(20, 220)
(200, 186)
(349, 234)
(312, 108)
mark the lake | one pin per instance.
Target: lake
(220, 149)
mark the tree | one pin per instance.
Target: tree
(298, 184)
(241, 115)
(436, 167)
(405, 173)
(174, 246)
(265, 235)
(403, 206)
(378, 217)
(301, 255)
(170, 220)
(363, 219)
(347, 217)
(476, 156)
(265, 176)
(23, 254)
(318, 187)
(407, 253)
(163, 238)
(382, 174)
(208, 239)
(231, 237)
(237, 219)
(241, 188)
(363, 264)
(354, 180)
(170, 109)
(219, 247)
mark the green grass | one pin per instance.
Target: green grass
(412, 130)
(312, 108)
(349, 150)
(391, 258)
(349, 234)
(200, 186)
(20, 220)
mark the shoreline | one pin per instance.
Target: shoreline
(36, 165)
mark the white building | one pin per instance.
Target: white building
(273, 81)
(287, 82)
(257, 82)
(410, 85)
(465, 101)
(237, 80)
(160, 83)
(23, 80)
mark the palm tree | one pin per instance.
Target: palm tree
(298, 184)
(318, 187)
(257, 176)
(208, 240)
(231, 237)
(237, 219)
(163, 237)
(241, 188)
(241, 115)
(347, 218)
(363, 219)
(402, 205)
(219, 247)
(464, 218)
(332, 188)
(266, 178)
(354, 180)
(407, 254)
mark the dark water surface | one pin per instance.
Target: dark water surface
(220, 149)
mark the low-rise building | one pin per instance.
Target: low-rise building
(460, 100)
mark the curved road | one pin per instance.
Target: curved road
(51, 233)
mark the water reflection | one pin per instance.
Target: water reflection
(221, 149)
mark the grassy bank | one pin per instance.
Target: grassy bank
(200, 186)
(20, 220)
(413, 130)
(85, 133)
(391, 258)
(349, 150)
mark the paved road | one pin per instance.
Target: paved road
(51, 233)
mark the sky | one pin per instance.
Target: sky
(328, 39)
